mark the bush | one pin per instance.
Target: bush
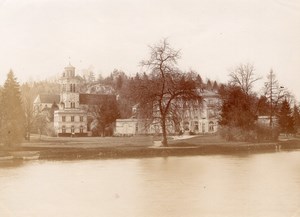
(192, 133)
(237, 134)
(265, 133)
(258, 134)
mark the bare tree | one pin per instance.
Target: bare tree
(164, 85)
(244, 77)
(28, 96)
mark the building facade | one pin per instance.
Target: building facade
(192, 117)
(70, 119)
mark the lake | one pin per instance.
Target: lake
(266, 184)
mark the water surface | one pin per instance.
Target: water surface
(232, 185)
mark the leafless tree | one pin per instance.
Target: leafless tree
(164, 85)
(244, 77)
(28, 96)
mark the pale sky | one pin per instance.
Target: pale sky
(39, 36)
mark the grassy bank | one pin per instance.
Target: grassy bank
(134, 147)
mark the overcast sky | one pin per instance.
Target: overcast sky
(39, 36)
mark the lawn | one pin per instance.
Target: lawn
(88, 142)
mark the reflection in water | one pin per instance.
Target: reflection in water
(252, 185)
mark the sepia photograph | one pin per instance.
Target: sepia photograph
(149, 108)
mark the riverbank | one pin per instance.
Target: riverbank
(135, 147)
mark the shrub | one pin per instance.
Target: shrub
(237, 134)
(265, 133)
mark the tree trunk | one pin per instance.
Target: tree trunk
(164, 132)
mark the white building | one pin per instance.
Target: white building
(70, 119)
(203, 118)
(193, 117)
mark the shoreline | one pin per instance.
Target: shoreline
(176, 148)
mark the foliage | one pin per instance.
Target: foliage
(237, 134)
(104, 115)
(285, 118)
(236, 110)
(296, 116)
(12, 126)
(263, 106)
(266, 133)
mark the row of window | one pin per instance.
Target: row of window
(72, 129)
(72, 88)
(72, 118)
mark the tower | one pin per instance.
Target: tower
(69, 95)
(70, 119)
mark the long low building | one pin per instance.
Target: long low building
(199, 119)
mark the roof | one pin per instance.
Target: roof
(95, 99)
(70, 66)
(49, 98)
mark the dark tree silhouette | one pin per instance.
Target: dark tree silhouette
(285, 118)
(104, 114)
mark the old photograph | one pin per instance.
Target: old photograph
(149, 108)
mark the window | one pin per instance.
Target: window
(196, 126)
(211, 126)
(81, 118)
(81, 129)
(63, 129)
(72, 118)
(63, 118)
(72, 88)
(72, 104)
(72, 129)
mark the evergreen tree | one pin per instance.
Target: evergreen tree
(13, 115)
(215, 86)
(199, 81)
(236, 110)
(296, 116)
(237, 117)
(285, 118)
(209, 85)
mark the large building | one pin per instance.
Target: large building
(72, 118)
(192, 117)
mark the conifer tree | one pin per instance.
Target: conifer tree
(285, 118)
(209, 85)
(296, 116)
(12, 112)
(215, 86)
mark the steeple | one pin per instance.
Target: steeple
(69, 71)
